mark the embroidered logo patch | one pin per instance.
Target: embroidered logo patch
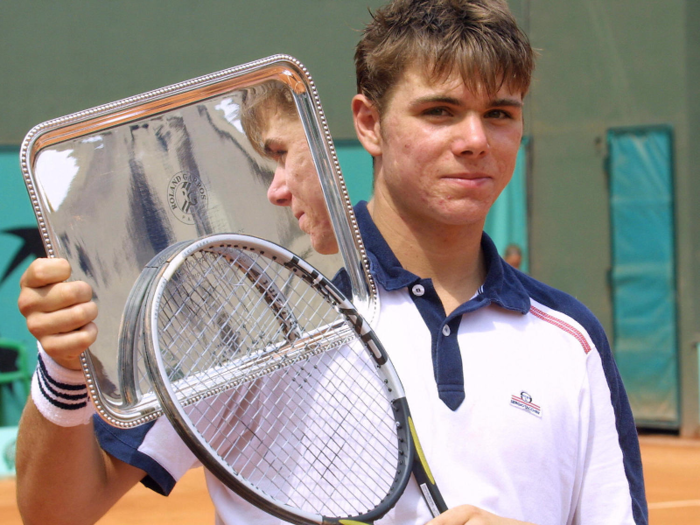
(524, 402)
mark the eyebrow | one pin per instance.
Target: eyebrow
(505, 101)
(431, 99)
(496, 102)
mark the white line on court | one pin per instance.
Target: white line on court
(674, 504)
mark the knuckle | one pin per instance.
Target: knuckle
(85, 339)
(25, 303)
(35, 328)
(41, 269)
(45, 271)
(51, 347)
(80, 341)
(84, 290)
(73, 293)
(74, 318)
(85, 313)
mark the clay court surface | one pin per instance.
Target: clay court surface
(671, 466)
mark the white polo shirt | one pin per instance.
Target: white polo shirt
(533, 423)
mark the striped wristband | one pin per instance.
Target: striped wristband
(60, 394)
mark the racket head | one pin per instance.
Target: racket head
(130, 343)
(309, 424)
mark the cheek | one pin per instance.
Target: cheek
(407, 151)
(304, 170)
(318, 203)
(305, 186)
(295, 177)
(506, 151)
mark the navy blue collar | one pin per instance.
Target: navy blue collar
(502, 285)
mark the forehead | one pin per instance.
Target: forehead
(281, 125)
(416, 82)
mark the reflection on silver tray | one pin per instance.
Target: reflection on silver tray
(115, 185)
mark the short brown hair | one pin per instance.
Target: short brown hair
(261, 102)
(478, 38)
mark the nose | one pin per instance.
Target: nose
(472, 138)
(278, 193)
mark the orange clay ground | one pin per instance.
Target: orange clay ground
(671, 467)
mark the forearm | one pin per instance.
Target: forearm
(62, 474)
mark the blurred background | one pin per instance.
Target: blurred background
(603, 204)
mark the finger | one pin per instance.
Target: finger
(62, 321)
(460, 515)
(66, 348)
(43, 271)
(53, 297)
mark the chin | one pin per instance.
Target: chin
(325, 246)
(465, 213)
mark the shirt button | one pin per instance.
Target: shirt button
(446, 331)
(418, 290)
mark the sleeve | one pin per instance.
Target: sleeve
(153, 447)
(610, 444)
(611, 484)
(341, 280)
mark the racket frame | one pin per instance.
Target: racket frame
(174, 408)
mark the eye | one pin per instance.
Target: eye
(276, 154)
(437, 111)
(499, 114)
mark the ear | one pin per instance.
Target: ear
(367, 126)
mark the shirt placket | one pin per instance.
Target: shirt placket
(446, 355)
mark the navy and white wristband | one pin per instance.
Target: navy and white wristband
(60, 394)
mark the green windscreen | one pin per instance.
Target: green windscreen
(506, 223)
(20, 243)
(356, 165)
(643, 271)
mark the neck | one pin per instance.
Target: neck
(450, 255)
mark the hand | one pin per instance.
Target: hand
(470, 515)
(59, 314)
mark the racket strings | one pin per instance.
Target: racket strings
(239, 293)
(219, 309)
(294, 446)
(215, 280)
(347, 419)
(317, 431)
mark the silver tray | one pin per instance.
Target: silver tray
(107, 187)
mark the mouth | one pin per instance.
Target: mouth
(468, 180)
(468, 176)
(299, 215)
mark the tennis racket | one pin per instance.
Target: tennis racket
(278, 385)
